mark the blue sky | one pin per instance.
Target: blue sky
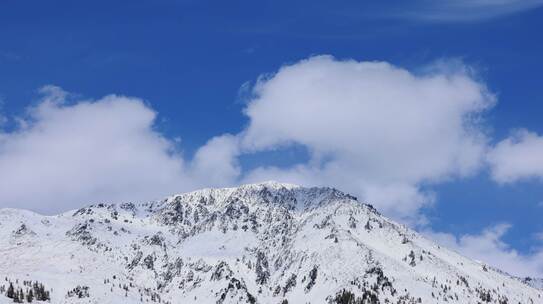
(194, 64)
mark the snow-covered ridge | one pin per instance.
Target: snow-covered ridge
(534, 282)
(258, 243)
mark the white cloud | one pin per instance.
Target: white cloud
(517, 157)
(489, 248)
(66, 155)
(371, 128)
(215, 163)
(465, 10)
(378, 131)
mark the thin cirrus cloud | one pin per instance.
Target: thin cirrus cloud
(464, 10)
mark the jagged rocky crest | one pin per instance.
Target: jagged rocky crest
(260, 243)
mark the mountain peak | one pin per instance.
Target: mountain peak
(272, 185)
(258, 243)
(293, 197)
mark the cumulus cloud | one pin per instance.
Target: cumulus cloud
(517, 157)
(371, 128)
(64, 155)
(375, 130)
(488, 246)
(216, 163)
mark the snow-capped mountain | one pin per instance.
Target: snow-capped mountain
(534, 282)
(261, 243)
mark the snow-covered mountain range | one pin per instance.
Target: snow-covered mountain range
(260, 243)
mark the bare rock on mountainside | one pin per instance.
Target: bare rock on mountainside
(259, 243)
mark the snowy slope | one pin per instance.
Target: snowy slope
(260, 243)
(534, 282)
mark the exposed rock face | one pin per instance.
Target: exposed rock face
(261, 243)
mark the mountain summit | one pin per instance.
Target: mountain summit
(260, 243)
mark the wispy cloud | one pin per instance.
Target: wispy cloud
(466, 10)
(9, 56)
